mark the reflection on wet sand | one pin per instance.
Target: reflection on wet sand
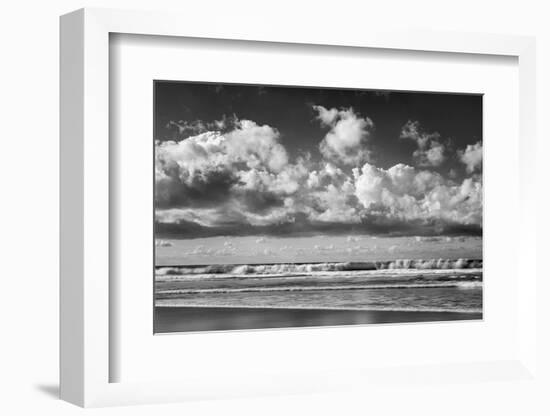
(186, 319)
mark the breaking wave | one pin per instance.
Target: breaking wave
(297, 268)
(436, 284)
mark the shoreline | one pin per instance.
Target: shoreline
(197, 318)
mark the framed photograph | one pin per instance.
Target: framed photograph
(280, 206)
(271, 213)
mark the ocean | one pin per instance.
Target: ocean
(435, 285)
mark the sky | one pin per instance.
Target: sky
(312, 249)
(286, 162)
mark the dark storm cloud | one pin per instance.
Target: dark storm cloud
(202, 190)
(303, 227)
(260, 202)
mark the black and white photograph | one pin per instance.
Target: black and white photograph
(275, 208)
(285, 206)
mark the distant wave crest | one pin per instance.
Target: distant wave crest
(297, 268)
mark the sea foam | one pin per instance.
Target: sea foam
(297, 268)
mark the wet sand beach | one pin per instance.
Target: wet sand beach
(187, 319)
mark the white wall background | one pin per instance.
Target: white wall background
(29, 205)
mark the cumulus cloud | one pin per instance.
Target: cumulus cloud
(242, 181)
(405, 193)
(433, 156)
(472, 157)
(257, 146)
(330, 196)
(346, 142)
(430, 152)
(228, 249)
(201, 250)
(203, 169)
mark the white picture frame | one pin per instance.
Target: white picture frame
(85, 353)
